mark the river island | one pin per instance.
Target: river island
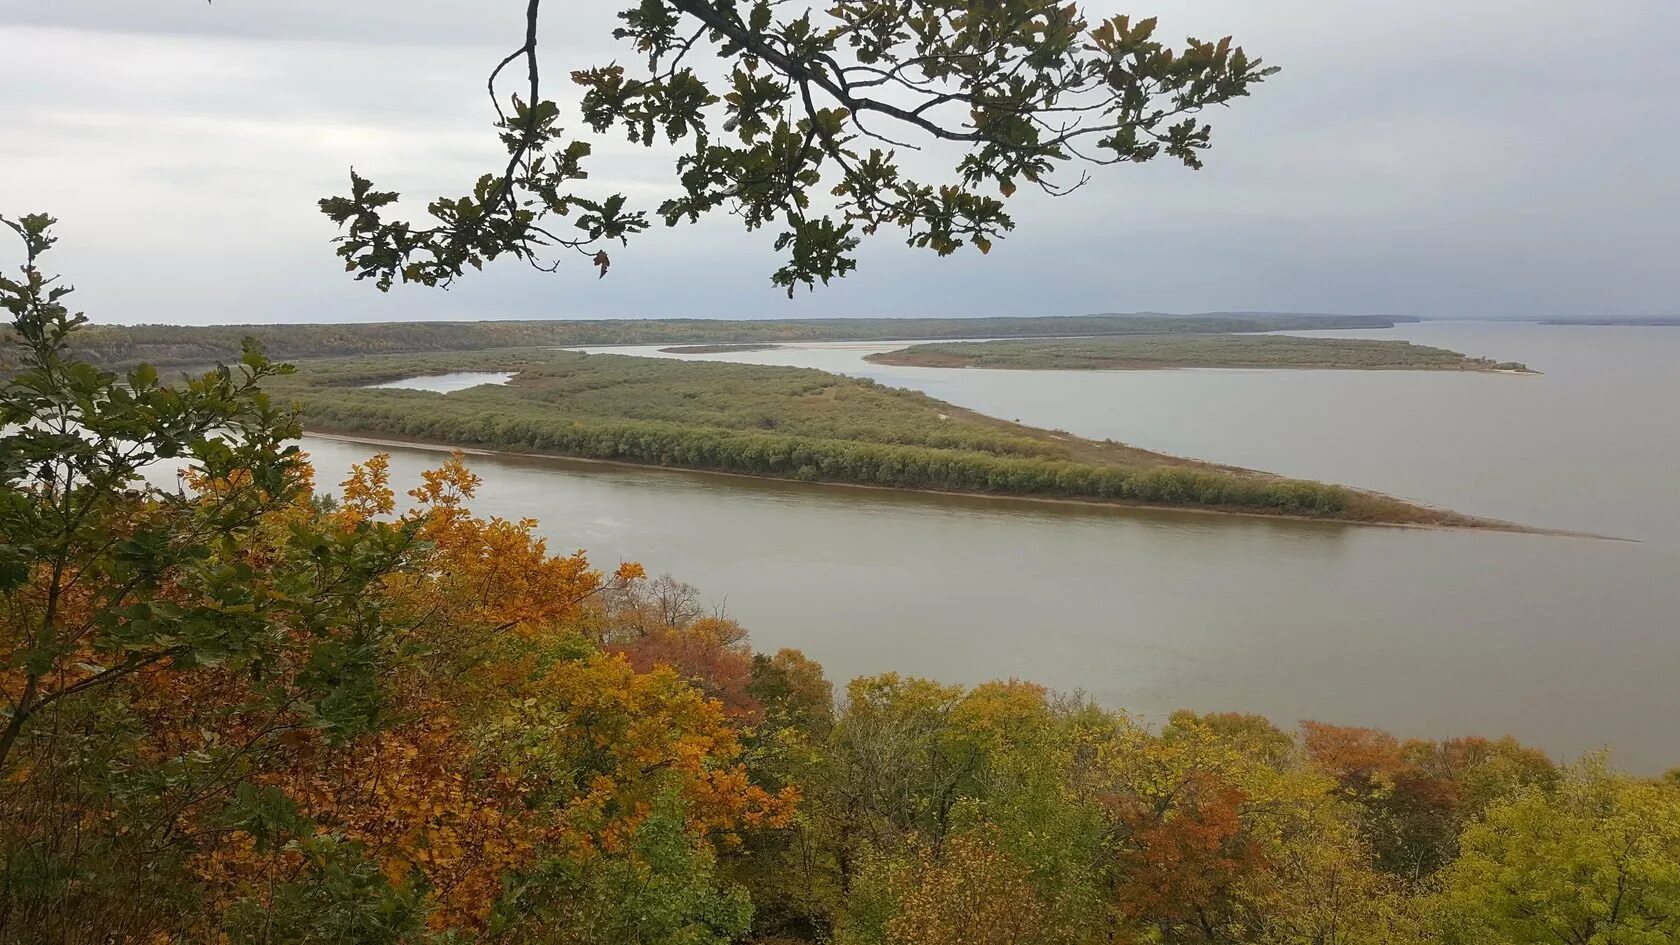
(790, 423)
(718, 348)
(1150, 352)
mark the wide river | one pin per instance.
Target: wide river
(1569, 643)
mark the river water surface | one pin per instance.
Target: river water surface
(1569, 643)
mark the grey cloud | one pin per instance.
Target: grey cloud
(1507, 158)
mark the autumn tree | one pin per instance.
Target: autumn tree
(969, 893)
(797, 118)
(1224, 837)
(236, 710)
(661, 622)
(89, 544)
(975, 831)
(1416, 797)
(793, 692)
(120, 594)
(1597, 860)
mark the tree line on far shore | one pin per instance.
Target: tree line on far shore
(190, 345)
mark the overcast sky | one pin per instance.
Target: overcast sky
(1439, 158)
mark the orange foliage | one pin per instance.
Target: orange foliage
(367, 491)
(415, 799)
(638, 733)
(1186, 854)
(1361, 759)
(1419, 794)
(711, 652)
(492, 571)
(503, 748)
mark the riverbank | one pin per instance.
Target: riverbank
(1458, 522)
(1162, 352)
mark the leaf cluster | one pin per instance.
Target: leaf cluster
(797, 118)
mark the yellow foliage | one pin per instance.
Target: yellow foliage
(493, 571)
(367, 491)
(968, 893)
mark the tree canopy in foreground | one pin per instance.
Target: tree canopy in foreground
(797, 117)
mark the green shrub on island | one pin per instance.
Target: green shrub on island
(793, 423)
(1192, 350)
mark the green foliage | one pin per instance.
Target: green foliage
(75, 525)
(786, 422)
(792, 691)
(661, 891)
(1595, 862)
(109, 578)
(813, 100)
(338, 895)
(1213, 350)
(936, 793)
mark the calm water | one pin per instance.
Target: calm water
(1569, 643)
(449, 383)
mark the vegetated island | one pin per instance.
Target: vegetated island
(791, 423)
(1146, 352)
(120, 346)
(1630, 321)
(718, 349)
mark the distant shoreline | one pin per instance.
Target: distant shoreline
(116, 346)
(889, 358)
(1200, 351)
(1660, 322)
